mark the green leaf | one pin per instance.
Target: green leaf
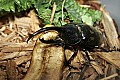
(87, 19)
(78, 13)
(7, 5)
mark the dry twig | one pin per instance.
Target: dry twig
(53, 12)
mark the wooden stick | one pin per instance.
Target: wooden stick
(53, 12)
(22, 59)
(6, 56)
(16, 49)
(109, 77)
(62, 10)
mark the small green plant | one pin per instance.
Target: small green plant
(71, 10)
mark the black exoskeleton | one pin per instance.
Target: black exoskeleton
(73, 35)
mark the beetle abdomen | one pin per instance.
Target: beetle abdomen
(92, 37)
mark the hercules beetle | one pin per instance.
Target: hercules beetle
(72, 35)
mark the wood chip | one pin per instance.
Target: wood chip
(6, 56)
(22, 59)
(11, 70)
(110, 30)
(15, 47)
(109, 77)
(95, 65)
(34, 21)
(111, 57)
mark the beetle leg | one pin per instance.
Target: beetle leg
(72, 57)
(82, 72)
(87, 64)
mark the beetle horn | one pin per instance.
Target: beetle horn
(42, 30)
